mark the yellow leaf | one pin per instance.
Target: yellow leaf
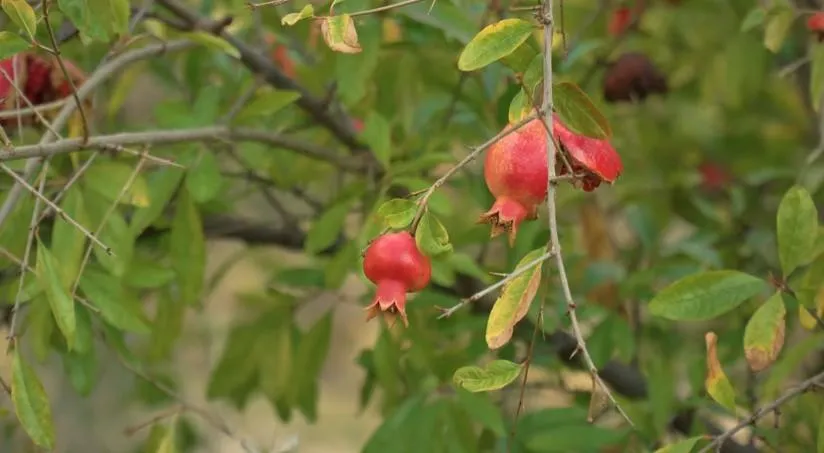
(764, 334)
(717, 384)
(514, 301)
(340, 34)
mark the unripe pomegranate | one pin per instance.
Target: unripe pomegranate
(633, 77)
(815, 24)
(619, 21)
(394, 263)
(515, 171)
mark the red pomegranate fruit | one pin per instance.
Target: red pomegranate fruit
(713, 176)
(619, 21)
(394, 263)
(815, 23)
(7, 92)
(515, 171)
(592, 160)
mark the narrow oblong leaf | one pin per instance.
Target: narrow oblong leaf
(796, 228)
(397, 213)
(684, 446)
(188, 249)
(705, 295)
(340, 33)
(431, 236)
(58, 295)
(778, 25)
(293, 18)
(31, 404)
(764, 334)
(717, 384)
(513, 303)
(22, 14)
(578, 112)
(817, 76)
(268, 102)
(495, 375)
(494, 42)
(213, 42)
(754, 18)
(377, 133)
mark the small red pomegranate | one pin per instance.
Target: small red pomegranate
(633, 77)
(394, 263)
(280, 55)
(595, 160)
(619, 21)
(515, 171)
(815, 24)
(7, 91)
(713, 176)
(358, 125)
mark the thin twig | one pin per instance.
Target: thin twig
(171, 412)
(384, 8)
(512, 276)
(555, 242)
(56, 208)
(793, 392)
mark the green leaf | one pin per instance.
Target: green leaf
(58, 295)
(166, 325)
(293, 18)
(717, 383)
(11, 44)
(188, 249)
(22, 14)
(162, 187)
(397, 213)
(817, 76)
(147, 274)
(778, 25)
(579, 438)
(684, 446)
(577, 111)
(31, 404)
(203, 179)
(340, 33)
(820, 443)
(431, 236)
(112, 14)
(118, 307)
(705, 295)
(764, 334)
(108, 179)
(754, 18)
(326, 228)
(513, 303)
(212, 42)
(377, 133)
(482, 410)
(268, 102)
(494, 42)
(797, 229)
(81, 369)
(311, 355)
(238, 362)
(115, 233)
(496, 375)
(277, 365)
(68, 242)
(519, 107)
(168, 443)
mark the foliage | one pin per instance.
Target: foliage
(317, 127)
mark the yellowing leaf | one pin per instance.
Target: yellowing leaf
(806, 320)
(514, 301)
(494, 42)
(777, 27)
(22, 14)
(684, 446)
(578, 112)
(717, 384)
(31, 404)
(496, 375)
(293, 18)
(519, 108)
(764, 334)
(340, 34)
(60, 300)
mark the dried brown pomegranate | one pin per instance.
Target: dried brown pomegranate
(394, 263)
(593, 160)
(633, 77)
(515, 171)
(815, 24)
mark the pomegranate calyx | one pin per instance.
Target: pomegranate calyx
(505, 215)
(390, 300)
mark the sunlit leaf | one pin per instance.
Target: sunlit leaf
(340, 33)
(494, 376)
(778, 25)
(293, 18)
(514, 301)
(494, 42)
(22, 14)
(717, 384)
(705, 295)
(764, 334)
(397, 213)
(31, 404)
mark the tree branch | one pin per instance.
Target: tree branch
(159, 137)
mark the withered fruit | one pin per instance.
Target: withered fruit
(633, 77)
